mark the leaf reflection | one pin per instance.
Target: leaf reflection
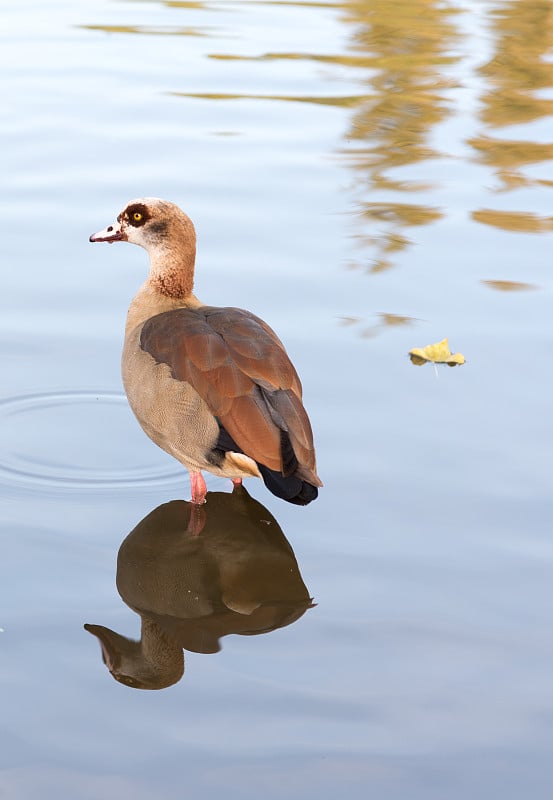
(239, 575)
(385, 320)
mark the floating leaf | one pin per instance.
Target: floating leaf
(437, 353)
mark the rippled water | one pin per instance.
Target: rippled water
(369, 177)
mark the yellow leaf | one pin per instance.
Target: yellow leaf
(437, 353)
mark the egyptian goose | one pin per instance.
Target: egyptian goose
(213, 387)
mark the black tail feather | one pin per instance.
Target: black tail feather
(290, 488)
(286, 484)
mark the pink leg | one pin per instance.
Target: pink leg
(198, 487)
(237, 481)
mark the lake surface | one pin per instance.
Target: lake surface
(368, 177)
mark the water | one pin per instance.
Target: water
(368, 177)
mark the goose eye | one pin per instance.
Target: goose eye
(137, 216)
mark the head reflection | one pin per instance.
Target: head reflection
(193, 580)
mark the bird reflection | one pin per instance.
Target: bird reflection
(239, 576)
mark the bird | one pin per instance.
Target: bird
(212, 386)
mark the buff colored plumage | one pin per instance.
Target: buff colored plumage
(214, 387)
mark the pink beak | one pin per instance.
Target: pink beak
(112, 233)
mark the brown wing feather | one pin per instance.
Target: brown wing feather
(241, 370)
(253, 430)
(255, 348)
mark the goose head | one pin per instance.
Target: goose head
(166, 233)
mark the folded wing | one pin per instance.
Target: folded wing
(241, 370)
